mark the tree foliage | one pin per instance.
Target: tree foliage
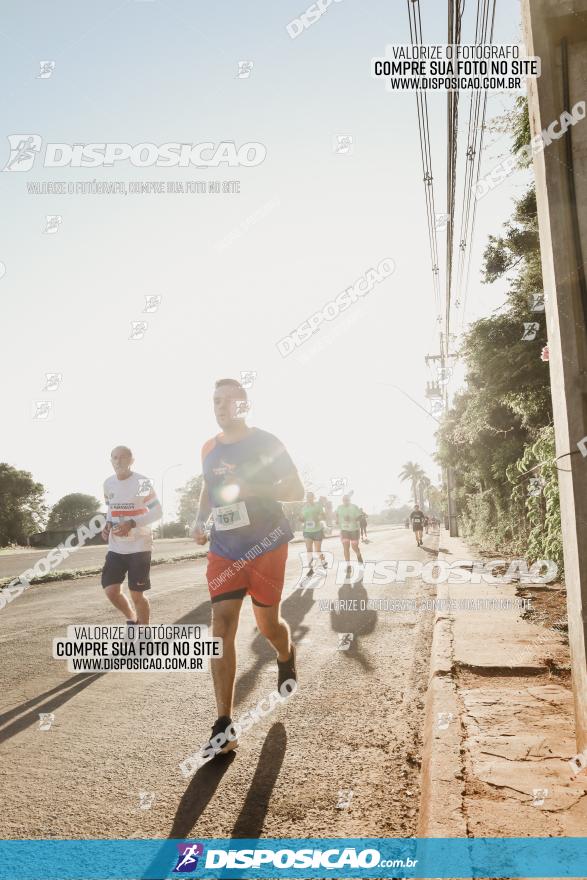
(23, 511)
(73, 510)
(498, 433)
(189, 497)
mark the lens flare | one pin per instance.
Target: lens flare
(229, 493)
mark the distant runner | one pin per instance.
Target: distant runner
(132, 505)
(313, 514)
(417, 518)
(363, 526)
(348, 520)
(247, 472)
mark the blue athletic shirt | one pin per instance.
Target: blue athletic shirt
(258, 458)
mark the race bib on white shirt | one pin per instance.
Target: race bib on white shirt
(231, 516)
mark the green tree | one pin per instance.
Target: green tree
(73, 510)
(189, 497)
(503, 417)
(23, 511)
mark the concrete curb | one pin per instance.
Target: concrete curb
(441, 812)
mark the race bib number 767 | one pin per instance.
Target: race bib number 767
(231, 516)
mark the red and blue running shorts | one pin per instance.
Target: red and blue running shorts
(262, 577)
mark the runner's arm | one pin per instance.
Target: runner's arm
(154, 511)
(204, 507)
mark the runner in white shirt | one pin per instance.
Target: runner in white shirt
(132, 506)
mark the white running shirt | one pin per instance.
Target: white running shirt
(133, 498)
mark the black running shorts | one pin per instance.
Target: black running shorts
(136, 565)
(349, 536)
(313, 536)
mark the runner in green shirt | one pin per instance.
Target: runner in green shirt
(348, 516)
(313, 514)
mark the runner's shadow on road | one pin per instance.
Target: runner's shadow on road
(293, 609)
(359, 623)
(194, 801)
(198, 795)
(69, 689)
(76, 683)
(70, 682)
(250, 820)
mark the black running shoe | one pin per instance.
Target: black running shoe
(286, 669)
(220, 727)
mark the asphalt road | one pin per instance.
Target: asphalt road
(354, 723)
(13, 564)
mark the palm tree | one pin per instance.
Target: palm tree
(424, 487)
(414, 473)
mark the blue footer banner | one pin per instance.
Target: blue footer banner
(293, 857)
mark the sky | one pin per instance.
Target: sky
(235, 271)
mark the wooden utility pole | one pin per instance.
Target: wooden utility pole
(556, 32)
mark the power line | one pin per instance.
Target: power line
(415, 20)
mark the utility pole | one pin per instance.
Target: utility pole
(442, 393)
(556, 32)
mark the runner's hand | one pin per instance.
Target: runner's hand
(122, 530)
(199, 535)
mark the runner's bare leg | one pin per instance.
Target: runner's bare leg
(225, 617)
(119, 600)
(272, 625)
